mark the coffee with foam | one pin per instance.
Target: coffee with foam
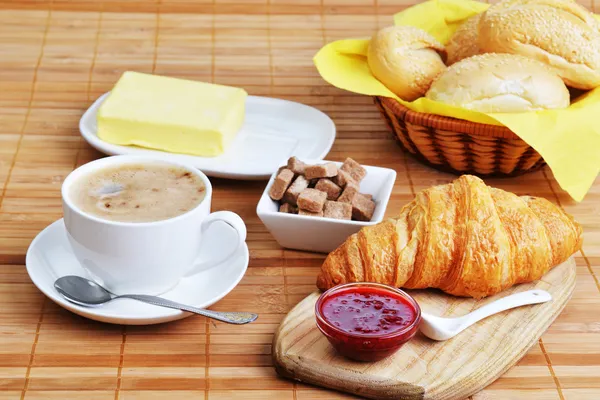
(138, 192)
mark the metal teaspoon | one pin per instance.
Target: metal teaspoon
(88, 293)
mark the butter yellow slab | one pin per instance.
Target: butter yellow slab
(171, 114)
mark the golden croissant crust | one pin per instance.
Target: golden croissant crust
(465, 238)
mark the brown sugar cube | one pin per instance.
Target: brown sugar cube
(349, 193)
(337, 210)
(288, 209)
(296, 166)
(354, 169)
(368, 196)
(291, 195)
(312, 200)
(321, 171)
(325, 185)
(362, 208)
(280, 184)
(342, 178)
(310, 214)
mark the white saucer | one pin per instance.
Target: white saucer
(273, 131)
(49, 257)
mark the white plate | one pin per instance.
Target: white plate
(49, 257)
(273, 131)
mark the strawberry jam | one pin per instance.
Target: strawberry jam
(367, 321)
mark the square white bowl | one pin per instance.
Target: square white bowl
(320, 234)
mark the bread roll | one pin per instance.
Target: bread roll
(406, 60)
(495, 83)
(464, 42)
(569, 6)
(555, 36)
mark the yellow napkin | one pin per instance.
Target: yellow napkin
(567, 139)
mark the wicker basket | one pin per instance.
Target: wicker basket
(459, 146)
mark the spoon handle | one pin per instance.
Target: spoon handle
(237, 318)
(514, 300)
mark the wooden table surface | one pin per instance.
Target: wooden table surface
(56, 57)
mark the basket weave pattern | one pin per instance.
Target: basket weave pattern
(459, 146)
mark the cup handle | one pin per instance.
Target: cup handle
(231, 227)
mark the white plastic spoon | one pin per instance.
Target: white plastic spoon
(438, 328)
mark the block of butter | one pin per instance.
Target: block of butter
(171, 114)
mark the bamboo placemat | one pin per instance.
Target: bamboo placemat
(56, 57)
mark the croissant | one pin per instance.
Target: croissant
(465, 238)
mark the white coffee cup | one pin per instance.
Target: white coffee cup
(149, 257)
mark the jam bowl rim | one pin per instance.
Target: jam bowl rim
(322, 320)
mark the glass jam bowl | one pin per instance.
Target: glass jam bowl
(367, 321)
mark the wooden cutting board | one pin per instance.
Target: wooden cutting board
(423, 368)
